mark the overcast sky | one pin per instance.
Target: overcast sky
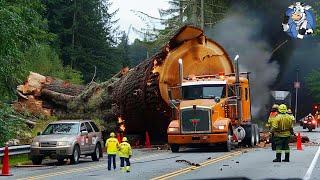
(127, 17)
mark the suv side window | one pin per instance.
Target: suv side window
(82, 127)
(96, 129)
(89, 128)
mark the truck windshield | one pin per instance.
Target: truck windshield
(63, 128)
(204, 91)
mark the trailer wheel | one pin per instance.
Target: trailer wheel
(174, 148)
(250, 135)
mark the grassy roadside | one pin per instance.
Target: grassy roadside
(18, 159)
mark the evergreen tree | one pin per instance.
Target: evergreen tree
(22, 26)
(182, 12)
(137, 52)
(85, 31)
(123, 49)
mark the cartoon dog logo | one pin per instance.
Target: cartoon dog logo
(299, 21)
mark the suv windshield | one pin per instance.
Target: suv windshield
(63, 128)
(204, 91)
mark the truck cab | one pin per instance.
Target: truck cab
(207, 112)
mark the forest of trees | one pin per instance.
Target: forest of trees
(73, 40)
(78, 40)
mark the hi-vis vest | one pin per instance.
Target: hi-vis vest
(112, 145)
(125, 150)
(282, 125)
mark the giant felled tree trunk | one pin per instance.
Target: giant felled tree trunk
(139, 95)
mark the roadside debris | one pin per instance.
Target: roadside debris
(188, 162)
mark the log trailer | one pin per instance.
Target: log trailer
(212, 108)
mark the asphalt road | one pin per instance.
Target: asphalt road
(252, 163)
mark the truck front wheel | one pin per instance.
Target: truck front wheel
(174, 148)
(227, 146)
(250, 135)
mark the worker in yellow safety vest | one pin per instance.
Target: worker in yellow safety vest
(291, 115)
(282, 128)
(272, 115)
(112, 146)
(125, 153)
(293, 120)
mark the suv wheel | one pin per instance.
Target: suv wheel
(75, 155)
(96, 154)
(36, 160)
(60, 160)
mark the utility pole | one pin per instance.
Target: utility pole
(202, 14)
(296, 86)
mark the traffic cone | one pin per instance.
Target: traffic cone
(148, 145)
(119, 137)
(299, 145)
(5, 163)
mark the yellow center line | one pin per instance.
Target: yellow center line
(188, 169)
(73, 170)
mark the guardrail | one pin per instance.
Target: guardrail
(15, 150)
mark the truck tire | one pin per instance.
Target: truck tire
(174, 148)
(74, 158)
(96, 153)
(257, 134)
(36, 160)
(250, 135)
(309, 129)
(227, 146)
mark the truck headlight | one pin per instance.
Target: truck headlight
(221, 127)
(173, 130)
(62, 143)
(35, 144)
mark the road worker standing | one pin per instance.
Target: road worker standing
(282, 128)
(273, 114)
(112, 146)
(125, 153)
(293, 120)
(291, 115)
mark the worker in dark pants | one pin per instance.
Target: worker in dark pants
(112, 146)
(282, 128)
(125, 153)
(273, 114)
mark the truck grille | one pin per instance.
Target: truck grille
(48, 144)
(195, 120)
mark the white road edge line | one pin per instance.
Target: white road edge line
(307, 176)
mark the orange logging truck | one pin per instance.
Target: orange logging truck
(211, 108)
